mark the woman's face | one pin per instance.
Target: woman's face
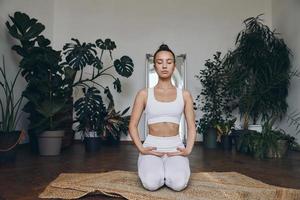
(164, 64)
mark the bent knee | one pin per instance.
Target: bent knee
(152, 182)
(177, 182)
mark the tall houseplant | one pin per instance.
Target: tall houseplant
(48, 88)
(259, 72)
(10, 115)
(214, 96)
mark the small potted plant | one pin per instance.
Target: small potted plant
(9, 107)
(224, 133)
(115, 123)
(90, 113)
(270, 143)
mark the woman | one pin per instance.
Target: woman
(163, 158)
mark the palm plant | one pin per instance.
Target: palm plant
(259, 72)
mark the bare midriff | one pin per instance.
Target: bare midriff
(163, 129)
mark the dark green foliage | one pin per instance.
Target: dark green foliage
(9, 106)
(214, 95)
(51, 75)
(90, 111)
(47, 90)
(259, 72)
(259, 144)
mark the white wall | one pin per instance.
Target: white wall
(41, 10)
(286, 17)
(198, 28)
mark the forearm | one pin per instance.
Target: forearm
(134, 134)
(191, 137)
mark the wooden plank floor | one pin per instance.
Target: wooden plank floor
(30, 174)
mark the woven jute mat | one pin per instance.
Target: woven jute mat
(202, 186)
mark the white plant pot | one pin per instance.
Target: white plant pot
(255, 127)
(50, 142)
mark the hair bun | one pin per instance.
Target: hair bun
(163, 47)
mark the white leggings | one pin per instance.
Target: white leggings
(155, 171)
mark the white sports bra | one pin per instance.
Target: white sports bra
(158, 111)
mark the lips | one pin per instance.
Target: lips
(164, 71)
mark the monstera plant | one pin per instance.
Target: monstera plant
(84, 62)
(52, 75)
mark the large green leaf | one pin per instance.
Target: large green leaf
(24, 28)
(124, 66)
(79, 55)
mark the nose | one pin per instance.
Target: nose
(164, 64)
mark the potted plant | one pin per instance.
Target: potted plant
(259, 72)
(224, 133)
(9, 107)
(85, 63)
(90, 112)
(270, 143)
(215, 99)
(115, 123)
(48, 88)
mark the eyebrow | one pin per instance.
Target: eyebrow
(166, 59)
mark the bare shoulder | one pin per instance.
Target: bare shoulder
(187, 95)
(142, 94)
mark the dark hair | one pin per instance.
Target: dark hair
(163, 47)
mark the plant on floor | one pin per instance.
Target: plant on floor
(270, 142)
(259, 72)
(51, 79)
(90, 112)
(213, 96)
(80, 57)
(216, 101)
(47, 90)
(10, 115)
(10, 107)
(224, 128)
(115, 123)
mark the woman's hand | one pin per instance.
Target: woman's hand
(181, 152)
(150, 151)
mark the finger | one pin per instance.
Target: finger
(157, 153)
(174, 153)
